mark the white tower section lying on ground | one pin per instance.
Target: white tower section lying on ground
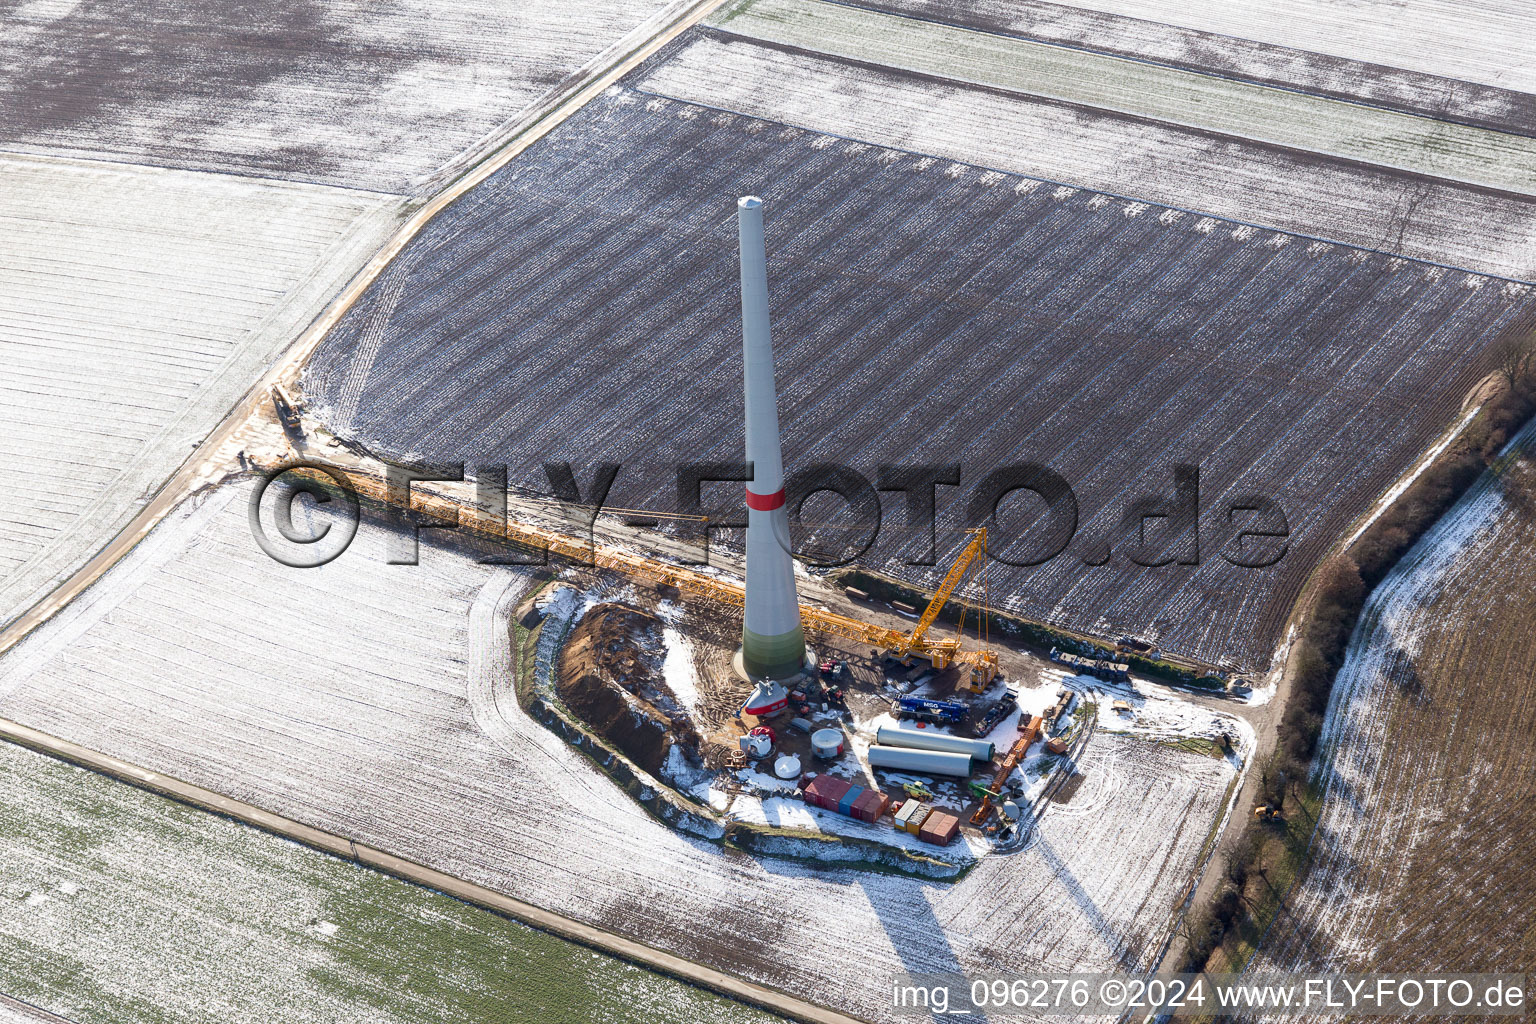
(772, 642)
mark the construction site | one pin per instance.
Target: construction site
(817, 723)
(702, 509)
(885, 715)
(903, 730)
(610, 707)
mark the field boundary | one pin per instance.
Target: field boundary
(30, 1011)
(1325, 618)
(533, 916)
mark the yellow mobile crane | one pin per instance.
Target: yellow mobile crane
(944, 653)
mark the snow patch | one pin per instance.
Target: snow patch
(678, 669)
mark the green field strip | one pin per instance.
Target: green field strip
(118, 905)
(1281, 117)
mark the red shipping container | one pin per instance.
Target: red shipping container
(939, 829)
(809, 789)
(834, 791)
(836, 788)
(868, 806)
(826, 790)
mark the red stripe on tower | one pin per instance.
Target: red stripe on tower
(765, 502)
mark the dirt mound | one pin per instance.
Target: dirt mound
(610, 678)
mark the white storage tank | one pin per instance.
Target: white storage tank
(787, 766)
(926, 762)
(928, 739)
(827, 743)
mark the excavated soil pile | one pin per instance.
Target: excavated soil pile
(610, 677)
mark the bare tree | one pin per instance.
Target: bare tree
(1516, 479)
(1513, 357)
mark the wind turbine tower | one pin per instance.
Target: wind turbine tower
(772, 640)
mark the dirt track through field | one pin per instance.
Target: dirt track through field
(14, 1011)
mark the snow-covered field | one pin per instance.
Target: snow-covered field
(140, 295)
(136, 306)
(1191, 168)
(116, 905)
(1263, 114)
(343, 92)
(374, 700)
(1421, 854)
(1482, 41)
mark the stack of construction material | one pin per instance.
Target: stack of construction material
(925, 762)
(939, 828)
(825, 791)
(911, 815)
(931, 739)
(1063, 701)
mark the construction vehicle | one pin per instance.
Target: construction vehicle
(981, 792)
(1027, 736)
(835, 670)
(994, 712)
(917, 790)
(923, 709)
(980, 667)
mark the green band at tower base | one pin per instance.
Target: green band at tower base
(773, 657)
